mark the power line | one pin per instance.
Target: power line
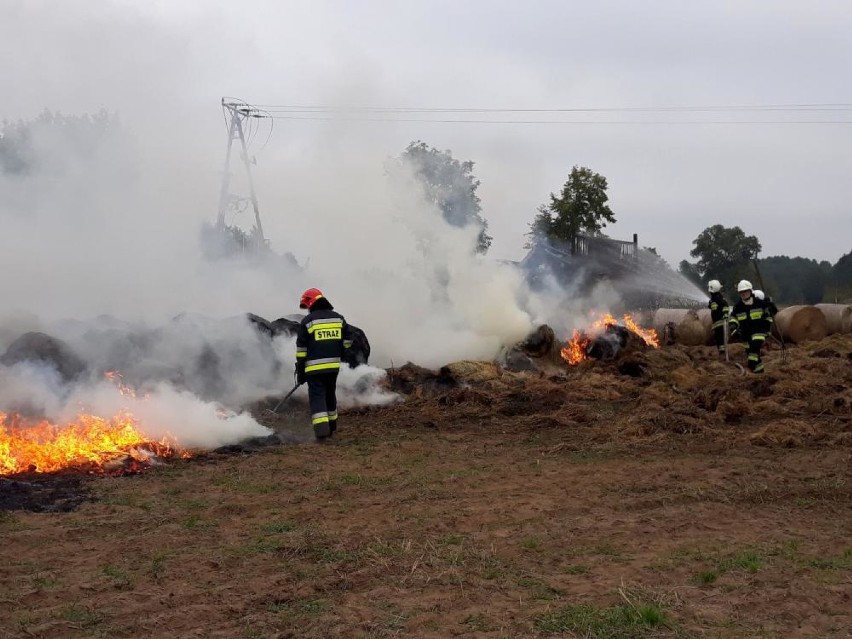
(425, 115)
(301, 108)
(549, 122)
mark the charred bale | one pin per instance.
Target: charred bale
(605, 346)
(410, 377)
(264, 326)
(539, 351)
(539, 343)
(518, 362)
(44, 349)
(284, 326)
(615, 341)
(207, 378)
(356, 355)
(633, 365)
(359, 352)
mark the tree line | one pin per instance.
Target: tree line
(729, 255)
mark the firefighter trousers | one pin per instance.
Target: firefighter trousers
(755, 343)
(322, 389)
(719, 335)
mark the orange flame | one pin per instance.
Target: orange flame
(42, 446)
(649, 335)
(118, 381)
(575, 351)
(45, 447)
(606, 319)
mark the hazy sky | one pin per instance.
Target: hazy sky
(163, 66)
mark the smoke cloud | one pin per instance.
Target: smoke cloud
(160, 413)
(102, 219)
(99, 231)
(127, 287)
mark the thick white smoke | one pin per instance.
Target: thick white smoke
(188, 380)
(165, 412)
(390, 263)
(102, 218)
(110, 232)
(161, 412)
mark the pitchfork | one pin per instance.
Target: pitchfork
(286, 397)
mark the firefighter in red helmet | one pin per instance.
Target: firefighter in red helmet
(322, 340)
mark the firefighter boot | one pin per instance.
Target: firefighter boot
(322, 430)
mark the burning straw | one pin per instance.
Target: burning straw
(581, 344)
(91, 441)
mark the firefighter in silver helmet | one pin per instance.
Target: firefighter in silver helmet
(754, 321)
(720, 313)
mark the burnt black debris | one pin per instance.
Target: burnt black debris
(539, 343)
(53, 493)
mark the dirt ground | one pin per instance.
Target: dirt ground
(663, 495)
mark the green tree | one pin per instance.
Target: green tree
(795, 280)
(723, 253)
(690, 272)
(813, 285)
(448, 184)
(841, 278)
(580, 208)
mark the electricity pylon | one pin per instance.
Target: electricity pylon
(236, 113)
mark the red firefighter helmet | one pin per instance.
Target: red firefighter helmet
(310, 297)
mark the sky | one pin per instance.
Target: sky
(163, 67)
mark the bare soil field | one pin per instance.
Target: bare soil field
(660, 495)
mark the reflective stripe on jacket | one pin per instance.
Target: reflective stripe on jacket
(321, 341)
(719, 309)
(755, 320)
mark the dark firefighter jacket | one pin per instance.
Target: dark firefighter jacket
(773, 310)
(719, 309)
(754, 320)
(323, 338)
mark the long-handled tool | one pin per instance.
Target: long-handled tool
(286, 397)
(780, 336)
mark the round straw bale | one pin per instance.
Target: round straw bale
(662, 316)
(470, 372)
(801, 323)
(707, 322)
(838, 317)
(688, 328)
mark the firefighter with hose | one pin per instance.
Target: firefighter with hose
(321, 342)
(720, 314)
(754, 321)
